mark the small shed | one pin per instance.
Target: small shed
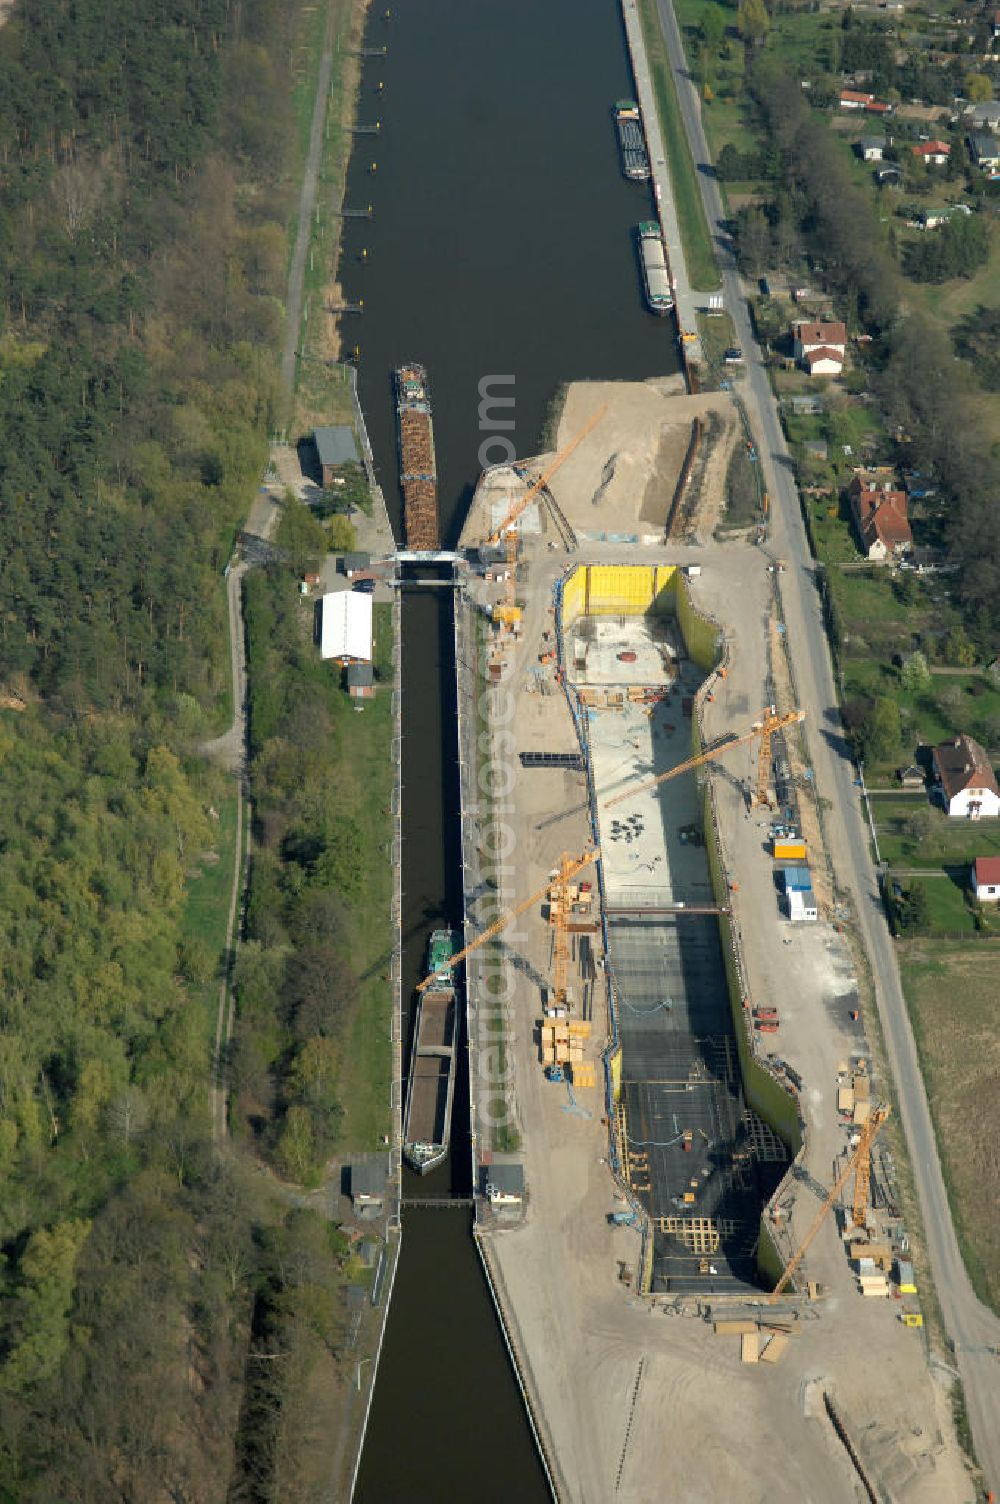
(360, 679)
(504, 1184)
(911, 777)
(346, 626)
(871, 148)
(352, 564)
(368, 1183)
(335, 447)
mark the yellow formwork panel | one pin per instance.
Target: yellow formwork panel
(616, 1075)
(573, 595)
(616, 589)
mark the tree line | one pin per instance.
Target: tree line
(144, 198)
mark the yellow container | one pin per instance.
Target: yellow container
(789, 851)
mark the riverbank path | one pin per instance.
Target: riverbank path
(974, 1330)
(686, 301)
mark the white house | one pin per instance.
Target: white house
(935, 153)
(346, 626)
(965, 780)
(825, 361)
(986, 878)
(820, 346)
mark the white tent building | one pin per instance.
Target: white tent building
(346, 626)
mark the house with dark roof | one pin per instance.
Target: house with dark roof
(983, 117)
(871, 148)
(879, 511)
(965, 780)
(360, 678)
(985, 151)
(985, 878)
(335, 447)
(368, 1180)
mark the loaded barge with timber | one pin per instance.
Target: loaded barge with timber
(631, 141)
(417, 470)
(427, 1123)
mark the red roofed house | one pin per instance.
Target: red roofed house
(986, 878)
(850, 99)
(824, 361)
(880, 516)
(819, 347)
(966, 780)
(934, 153)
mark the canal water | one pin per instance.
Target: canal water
(502, 246)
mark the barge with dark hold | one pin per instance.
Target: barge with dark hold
(631, 141)
(417, 470)
(655, 271)
(427, 1121)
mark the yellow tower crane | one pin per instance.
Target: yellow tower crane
(556, 883)
(507, 614)
(860, 1162)
(763, 729)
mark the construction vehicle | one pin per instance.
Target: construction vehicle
(761, 730)
(911, 1318)
(507, 614)
(564, 873)
(859, 1161)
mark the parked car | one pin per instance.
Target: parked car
(364, 587)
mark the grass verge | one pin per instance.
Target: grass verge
(703, 273)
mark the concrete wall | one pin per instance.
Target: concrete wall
(769, 1260)
(702, 637)
(768, 1098)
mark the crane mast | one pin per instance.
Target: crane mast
(763, 729)
(568, 868)
(860, 1155)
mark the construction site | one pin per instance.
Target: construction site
(708, 1207)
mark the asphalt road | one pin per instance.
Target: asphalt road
(972, 1328)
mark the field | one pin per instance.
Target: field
(951, 991)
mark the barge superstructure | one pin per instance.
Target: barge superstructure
(427, 1121)
(632, 141)
(655, 271)
(417, 469)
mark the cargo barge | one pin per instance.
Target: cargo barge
(427, 1122)
(655, 272)
(417, 470)
(631, 141)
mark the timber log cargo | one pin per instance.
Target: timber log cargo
(417, 470)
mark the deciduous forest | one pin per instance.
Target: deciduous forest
(146, 181)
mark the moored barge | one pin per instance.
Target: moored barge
(631, 141)
(427, 1121)
(417, 469)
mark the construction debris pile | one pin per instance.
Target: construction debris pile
(417, 474)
